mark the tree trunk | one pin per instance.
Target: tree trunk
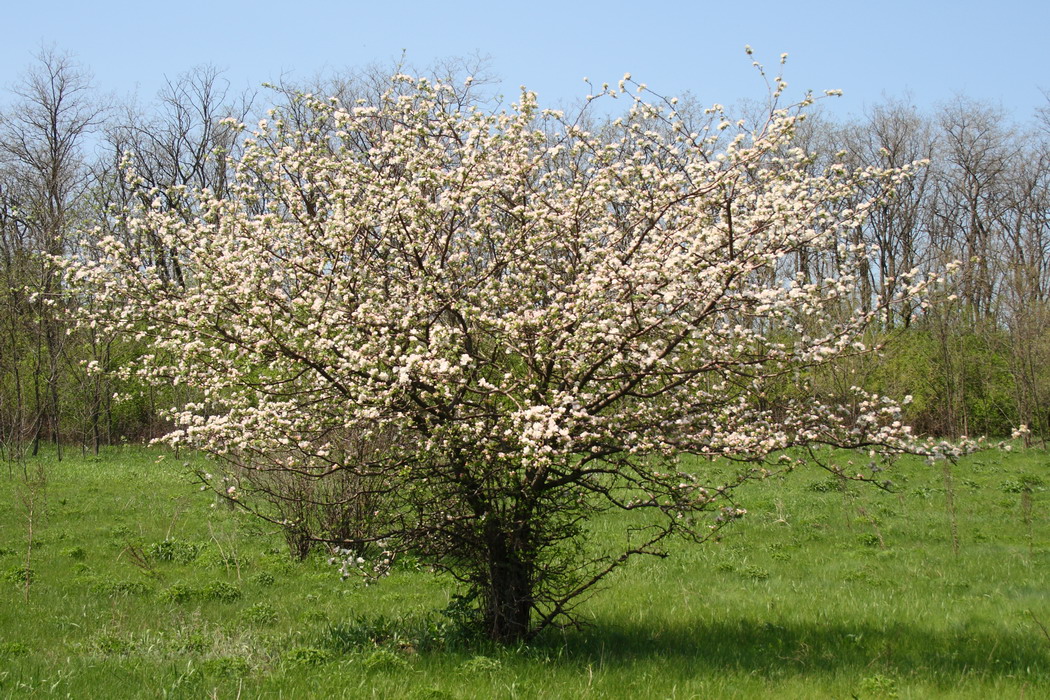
(508, 589)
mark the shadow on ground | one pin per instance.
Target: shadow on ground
(766, 648)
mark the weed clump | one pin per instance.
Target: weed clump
(176, 551)
(115, 588)
(221, 591)
(309, 656)
(260, 613)
(19, 574)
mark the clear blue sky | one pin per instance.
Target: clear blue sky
(995, 51)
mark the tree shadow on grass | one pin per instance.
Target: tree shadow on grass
(748, 646)
(775, 649)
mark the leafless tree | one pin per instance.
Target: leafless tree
(42, 137)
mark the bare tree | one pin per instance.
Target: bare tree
(185, 140)
(1024, 224)
(893, 136)
(41, 146)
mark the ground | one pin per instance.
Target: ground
(141, 585)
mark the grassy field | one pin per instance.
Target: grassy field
(141, 587)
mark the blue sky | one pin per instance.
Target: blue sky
(996, 52)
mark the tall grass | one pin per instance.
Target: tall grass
(141, 587)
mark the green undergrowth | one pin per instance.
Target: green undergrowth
(141, 585)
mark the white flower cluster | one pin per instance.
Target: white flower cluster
(351, 563)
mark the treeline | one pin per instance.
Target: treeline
(975, 361)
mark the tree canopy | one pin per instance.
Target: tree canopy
(477, 330)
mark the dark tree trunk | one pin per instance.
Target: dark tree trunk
(507, 591)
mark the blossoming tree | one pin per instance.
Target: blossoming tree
(496, 326)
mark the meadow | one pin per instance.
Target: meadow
(141, 585)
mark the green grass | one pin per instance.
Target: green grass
(142, 587)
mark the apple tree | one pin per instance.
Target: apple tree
(488, 328)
